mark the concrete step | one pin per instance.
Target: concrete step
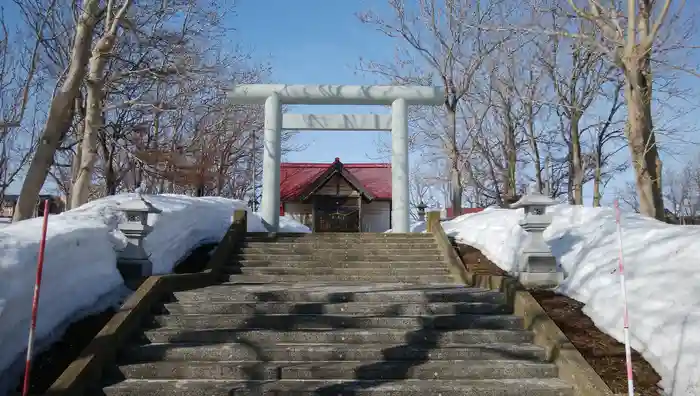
(360, 370)
(270, 278)
(328, 352)
(338, 235)
(207, 387)
(421, 269)
(356, 255)
(334, 293)
(425, 238)
(352, 245)
(400, 309)
(330, 322)
(349, 262)
(346, 336)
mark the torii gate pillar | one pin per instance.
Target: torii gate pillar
(398, 97)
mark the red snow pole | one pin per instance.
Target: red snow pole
(35, 300)
(623, 290)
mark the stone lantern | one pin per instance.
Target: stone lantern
(133, 261)
(421, 210)
(538, 266)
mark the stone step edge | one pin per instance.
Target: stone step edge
(340, 315)
(369, 346)
(407, 331)
(484, 362)
(429, 383)
(496, 308)
(279, 346)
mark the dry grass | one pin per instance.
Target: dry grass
(603, 353)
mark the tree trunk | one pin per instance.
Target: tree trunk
(548, 176)
(93, 126)
(79, 133)
(455, 175)
(576, 160)
(95, 96)
(59, 117)
(111, 179)
(598, 175)
(570, 176)
(537, 161)
(156, 137)
(642, 142)
(596, 184)
(512, 157)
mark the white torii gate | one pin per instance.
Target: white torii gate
(275, 95)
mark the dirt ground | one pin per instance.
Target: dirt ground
(603, 353)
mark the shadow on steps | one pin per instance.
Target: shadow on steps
(250, 344)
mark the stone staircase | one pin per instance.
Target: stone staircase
(334, 314)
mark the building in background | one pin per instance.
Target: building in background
(337, 197)
(56, 205)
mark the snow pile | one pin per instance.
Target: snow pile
(79, 271)
(416, 226)
(80, 274)
(287, 224)
(184, 223)
(663, 281)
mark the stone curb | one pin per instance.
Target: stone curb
(573, 368)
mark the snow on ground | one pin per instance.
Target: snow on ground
(80, 274)
(661, 267)
(185, 223)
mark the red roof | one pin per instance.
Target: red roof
(296, 176)
(450, 212)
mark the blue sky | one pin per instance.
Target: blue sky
(321, 42)
(317, 42)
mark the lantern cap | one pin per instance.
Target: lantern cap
(138, 205)
(533, 198)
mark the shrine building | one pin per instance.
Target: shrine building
(337, 197)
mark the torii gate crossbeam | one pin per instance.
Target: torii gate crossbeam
(273, 96)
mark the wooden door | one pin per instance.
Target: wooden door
(336, 214)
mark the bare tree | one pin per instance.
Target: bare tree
(629, 198)
(95, 86)
(16, 78)
(627, 36)
(604, 134)
(437, 33)
(678, 193)
(60, 112)
(19, 62)
(506, 126)
(576, 75)
(530, 95)
(422, 187)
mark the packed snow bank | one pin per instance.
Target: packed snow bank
(80, 274)
(287, 224)
(184, 223)
(79, 271)
(417, 226)
(661, 267)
